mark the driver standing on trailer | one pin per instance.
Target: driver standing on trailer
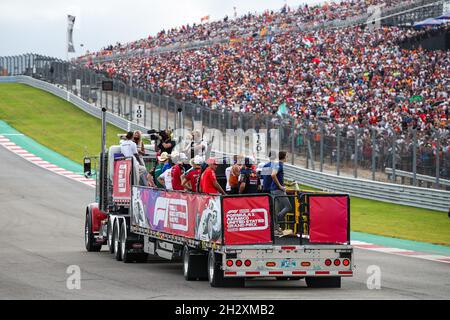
(208, 180)
(278, 191)
(249, 181)
(129, 150)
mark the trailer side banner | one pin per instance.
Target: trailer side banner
(122, 180)
(193, 216)
(247, 220)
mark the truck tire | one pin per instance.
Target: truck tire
(329, 282)
(89, 239)
(116, 237)
(124, 246)
(126, 257)
(110, 237)
(194, 265)
(215, 273)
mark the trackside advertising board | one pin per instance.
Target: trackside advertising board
(247, 220)
(193, 216)
(122, 180)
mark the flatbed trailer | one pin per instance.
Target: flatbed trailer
(227, 239)
(223, 239)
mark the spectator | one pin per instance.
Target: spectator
(137, 138)
(129, 150)
(208, 180)
(166, 144)
(233, 175)
(248, 180)
(266, 173)
(191, 177)
(177, 171)
(168, 163)
(158, 170)
(165, 180)
(278, 191)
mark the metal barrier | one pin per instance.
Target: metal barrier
(405, 195)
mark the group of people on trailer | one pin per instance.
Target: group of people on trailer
(175, 172)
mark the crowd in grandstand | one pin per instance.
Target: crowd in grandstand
(348, 76)
(251, 23)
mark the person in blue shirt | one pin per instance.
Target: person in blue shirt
(168, 163)
(278, 191)
(266, 173)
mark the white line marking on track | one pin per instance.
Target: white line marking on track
(24, 154)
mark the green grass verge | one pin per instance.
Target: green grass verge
(69, 131)
(53, 122)
(401, 222)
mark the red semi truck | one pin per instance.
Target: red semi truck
(224, 239)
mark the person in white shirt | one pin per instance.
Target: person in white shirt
(129, 150)
(166, 180)
(227, 174)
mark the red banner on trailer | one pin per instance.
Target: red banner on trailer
(122, 180)
(328, 219)
(247, 220)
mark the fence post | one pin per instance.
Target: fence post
(415, 157)
(152, 108)
(310, 150)
(293, 143)
(175, 110)
(159, 111)
(394, 159)
(438, 160)
(167, 113)
(145, 96)
(355, 170)
(338, 155)
(106, 98)
(130, 109)
(374, 142)
(322, 132)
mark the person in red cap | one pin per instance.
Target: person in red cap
(208, 180)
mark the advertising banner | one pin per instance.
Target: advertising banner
(122, 180)
(193, 216)
(247, 220)
(328, 219)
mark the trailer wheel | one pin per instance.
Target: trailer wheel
(194, 265)
(116, 237)
(329, 282)
(126, 257)
(110, 236)
(215, 273)
(89, 240)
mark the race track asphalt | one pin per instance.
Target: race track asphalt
(41, 235)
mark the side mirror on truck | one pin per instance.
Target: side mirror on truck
(87, 164)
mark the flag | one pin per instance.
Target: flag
(205, 18)
(70, 24)
(282, 109)
(308, 42)
(416, 99)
